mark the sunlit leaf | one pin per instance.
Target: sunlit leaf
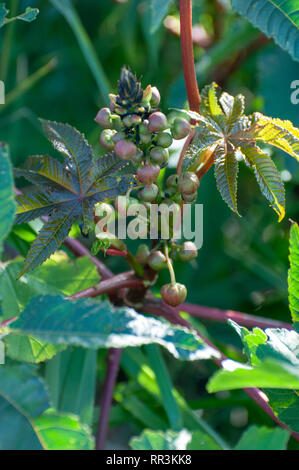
(262, 438)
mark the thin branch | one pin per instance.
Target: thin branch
(113, 361)
(216, 314)
(157, 307)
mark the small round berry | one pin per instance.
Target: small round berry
(157, 260)
(188, 183)
(124, 149)
(188, 251)
(142, 253)
(174, 294)
(149, 193)
(164, 139)
(157, 122)
(159, 155)
(180, 128)
(103, 118)
(156, 97)
(172, 181)
(106, 139)
(148, 173)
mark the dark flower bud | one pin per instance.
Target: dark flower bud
(174, 294)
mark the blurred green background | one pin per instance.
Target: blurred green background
(243, 262)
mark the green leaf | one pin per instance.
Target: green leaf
(68, 192)
(276, 18)
(29, 15)
(171, 440)
(158, 12)
(63, 432)
(226, 173)
(262, 438)
(94, 324)
(293, 277)
(59, 274)
(22, 398)
(7, 203)
(267, 177)
(285, 404)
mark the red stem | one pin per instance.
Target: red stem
(187, 54)
(113, 361)
(156, 307)
(215, 314)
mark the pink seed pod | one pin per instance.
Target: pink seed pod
(149, 193)
(124, 149)
(103, 118)
(174, 294)
(188, 251)
(157, 122)
(188, 183)
(180, 128)
(148, 173)
(106, 139)
(156, 97)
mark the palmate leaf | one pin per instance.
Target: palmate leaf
(67, 192)
(225, 133)
(276, 18)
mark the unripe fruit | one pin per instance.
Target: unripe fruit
(145, 138)
(116, 122)
(131, 120)
(124, 149)
(142, 253)
(188, 251)
(159, 155)
(188, 183)
(143, 128)
(174, 294)
(103, 118)
(172, 181)
(147, 95)
(148, 173)
(190, 197)
(164, 139)
(156, 98)
(180, 128)
(106, 139)
(137, 158)
(157, 260)
(157, 122)
(118, 136)
(149, 193)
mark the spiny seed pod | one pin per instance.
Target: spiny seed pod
(188, 183)
(137, 158)
(124, 149)
(172, 181)
(157, 122)
(148, 173)
(188, 251)
(180, 128)
(106, 139)
(149, 193)
(164, 139)
(189, 197)
(142, 253)
(159, 155)
(131, 120)
(156, 98)
(174, 294)
(103, 118)
(157, 260)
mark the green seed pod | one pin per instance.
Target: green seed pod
(189, 197)
(164, 139)
(145, 138)
(103, 118)
(148, 173)
(157, 260)
(116, 122)
(159, 155)
(143, 128)
(124, 149)
(172, 181)
(174, 294)
(106, 139)
(149, 193)
(188, 251)
(188, 183)
(157, 122)
(142, 253)
(180, 128)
